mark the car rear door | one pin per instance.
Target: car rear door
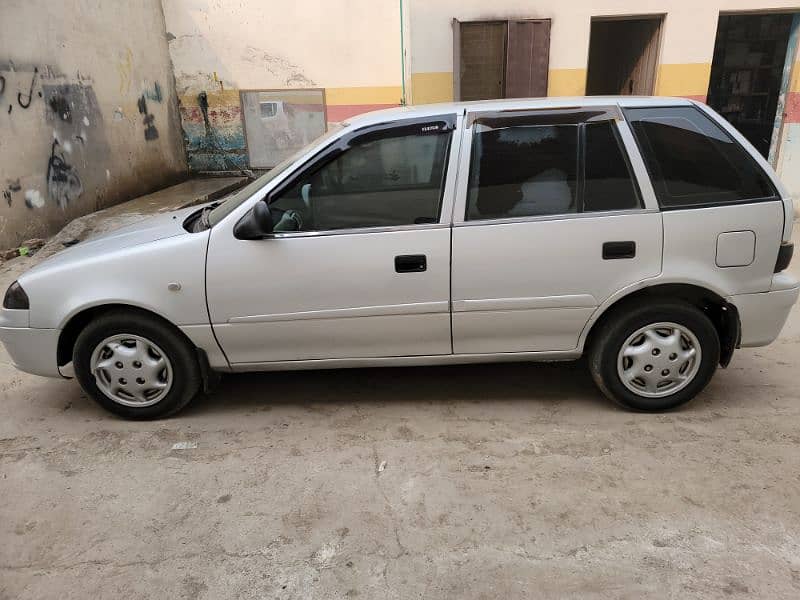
(552, 218)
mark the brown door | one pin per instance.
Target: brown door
(642, 78)
(527, 58)
(482, 48)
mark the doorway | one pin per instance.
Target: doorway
(501, 59)
(747, 73)
(623, 54)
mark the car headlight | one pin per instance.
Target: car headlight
(16, 298)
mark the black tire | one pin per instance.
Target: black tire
(613, 332)
(187, 377)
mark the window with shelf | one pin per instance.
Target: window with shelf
(747, 70)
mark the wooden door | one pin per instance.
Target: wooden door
(527, 58)
(482, 48)
(642, 78)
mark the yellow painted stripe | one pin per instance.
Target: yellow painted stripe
(215, 99)
(566, 82)
(333, 96)
(794, 85)
(299, 97)
(364, 95)
(683, 79)
(432, 87)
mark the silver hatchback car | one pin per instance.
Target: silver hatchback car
(645, 233)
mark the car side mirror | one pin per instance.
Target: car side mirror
(255, 224)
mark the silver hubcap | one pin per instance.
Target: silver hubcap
(659, 359)
(131, 370)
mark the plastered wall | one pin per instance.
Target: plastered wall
(687, 44)
(350, 48)
(88, 115)
(686, 50)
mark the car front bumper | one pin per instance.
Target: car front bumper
(32, 350)
(763, 315)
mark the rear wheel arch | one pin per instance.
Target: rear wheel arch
(723, 314)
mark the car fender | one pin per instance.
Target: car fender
(166, 277)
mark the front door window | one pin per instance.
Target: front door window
(384, 178)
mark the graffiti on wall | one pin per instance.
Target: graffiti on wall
(12, 186)
(150, 131)
(212, 111)
(70, 107)
(24, 96)
(59, 106)
(153, 92)
(213, 132)
(29, 97)
(63, 182)
(69, 153)
(74, 113)
(125, 70)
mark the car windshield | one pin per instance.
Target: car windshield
(234, 200)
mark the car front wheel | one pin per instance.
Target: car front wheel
(654, 357)
(136, 366)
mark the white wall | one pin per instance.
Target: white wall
(302, 43)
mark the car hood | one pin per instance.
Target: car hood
(148, 230)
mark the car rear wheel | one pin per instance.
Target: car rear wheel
(654, 357)
(135, 365)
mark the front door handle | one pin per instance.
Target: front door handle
(615, 250)
(410, 263)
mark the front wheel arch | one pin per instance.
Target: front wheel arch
(78, 321)
(167, 355)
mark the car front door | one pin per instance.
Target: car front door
(359, 263)
(549, 223)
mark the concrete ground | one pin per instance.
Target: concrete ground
(497, 481)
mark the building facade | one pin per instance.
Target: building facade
(104, 101)
(360, 55)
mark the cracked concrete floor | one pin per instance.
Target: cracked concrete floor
(500, 481)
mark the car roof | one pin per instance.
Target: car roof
(426, 110)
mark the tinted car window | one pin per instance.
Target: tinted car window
(393, 177)
(522, 171)
(609, 184)
(533, 170)
(693, 161)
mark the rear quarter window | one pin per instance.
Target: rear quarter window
(692, 161)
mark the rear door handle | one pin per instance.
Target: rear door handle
(410, 263)
(615, 250)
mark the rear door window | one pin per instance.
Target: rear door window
(539, 168)
(522, 171)
(608, 179)
(692, 161)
